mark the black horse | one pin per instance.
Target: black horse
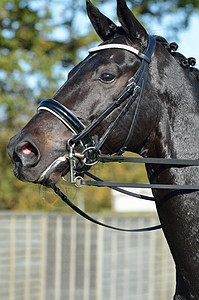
(166, 126)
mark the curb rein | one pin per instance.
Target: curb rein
(91, 153)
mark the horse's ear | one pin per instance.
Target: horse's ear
(104, 27)
(130, 24)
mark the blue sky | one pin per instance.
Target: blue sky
(186, 38)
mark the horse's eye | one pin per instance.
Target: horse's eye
(107, 77)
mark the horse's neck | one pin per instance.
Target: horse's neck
(177, 136)
(179, 129)
(178, 123)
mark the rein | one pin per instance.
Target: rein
(158, 161)
(80, 162)
(89, 218)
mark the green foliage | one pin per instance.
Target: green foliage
(34, 61)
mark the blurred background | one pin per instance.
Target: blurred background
(45, 253)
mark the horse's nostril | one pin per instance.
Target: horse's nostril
(28, 149)
(28, 153)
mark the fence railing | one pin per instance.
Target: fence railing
(63, 257)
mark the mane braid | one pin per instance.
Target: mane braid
(186, 63)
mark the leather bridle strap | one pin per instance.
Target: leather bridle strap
(89, 218)
(178, 163)
(140, 185)
(132, 86)
(148, 160)
(63, 114)
(123, 191)
(139, 80)
(66, 117)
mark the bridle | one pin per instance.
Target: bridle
(83, 134)
(90, 153)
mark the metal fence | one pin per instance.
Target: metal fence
(63, 257)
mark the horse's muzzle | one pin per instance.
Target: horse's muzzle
(28, 165)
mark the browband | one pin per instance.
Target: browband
(123, 47)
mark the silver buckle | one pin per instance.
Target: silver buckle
(85, 161)
(71, 158)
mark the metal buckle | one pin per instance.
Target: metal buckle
(72, 164)
(78, 181)
(85, 159)
(136, 90)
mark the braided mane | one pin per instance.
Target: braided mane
(186, 63)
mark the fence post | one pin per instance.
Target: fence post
(72, 266)
(87, 258)
(58, 257)
(12, 257)
(43, 255)
(28, 233)
(151, 264)
(99, 263)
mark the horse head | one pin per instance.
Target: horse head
(91, 87)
